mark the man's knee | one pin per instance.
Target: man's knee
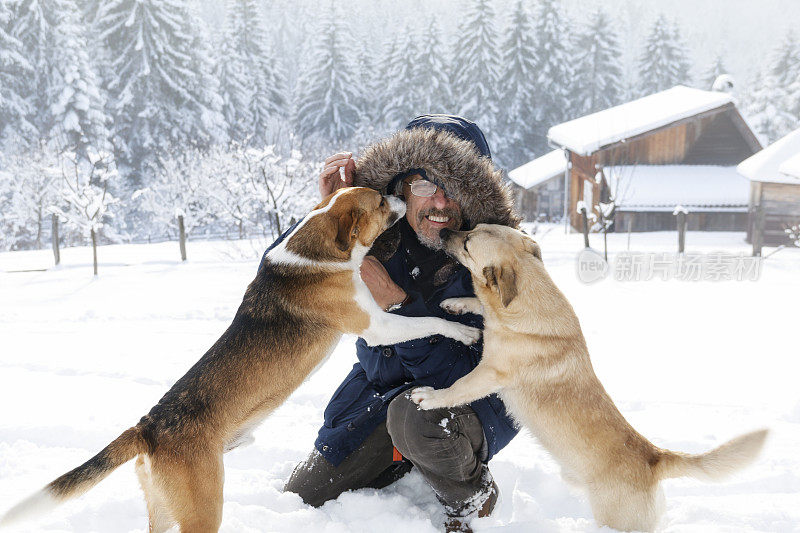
(413, 430)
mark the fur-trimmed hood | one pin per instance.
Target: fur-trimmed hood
(448, 161)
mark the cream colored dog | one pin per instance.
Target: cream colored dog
(535, 357)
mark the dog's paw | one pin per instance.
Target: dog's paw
(419, 394)
(454, 306)
(426, 398)
(465, 334)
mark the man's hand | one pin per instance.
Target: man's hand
(385, 291)
(329, 178)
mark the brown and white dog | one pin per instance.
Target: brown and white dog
(535, 357)
(307, 293)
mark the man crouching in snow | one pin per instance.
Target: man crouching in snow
(373, 433)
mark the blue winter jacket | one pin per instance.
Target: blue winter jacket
(360, 403)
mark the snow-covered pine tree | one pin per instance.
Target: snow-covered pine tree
(715, 69)
(8, 227)
(390, 96)
(204, 84)
(89, 9)
(31, 28)
(288, 24)
(235, 91)
(414, 81)
(598, 58)
(271, 102)
(67, 105)
(396, 107)
(517, 85)
(77, 101)
(407, 81)
(251, 82)
(683, 63)
(475, 68)
(162, 92)
(14, 69)
(436, 96)
(553, 70)
(369, 84)
(664, 62)
(328, 106)
(774, 107)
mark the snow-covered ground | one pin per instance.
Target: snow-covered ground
(690, 364)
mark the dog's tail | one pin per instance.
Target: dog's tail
(77, 481)
(714, 465)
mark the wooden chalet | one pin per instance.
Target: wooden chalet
(677, 147)
(774, 175)
(539, 187)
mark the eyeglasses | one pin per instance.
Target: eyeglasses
(424, 188)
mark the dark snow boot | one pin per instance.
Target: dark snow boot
(460, 524)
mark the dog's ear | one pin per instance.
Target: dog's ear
(504, 278)
(488, 275)
(347, 230)
(532, 247)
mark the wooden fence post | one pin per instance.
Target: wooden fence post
(94, 250)
(182, 232)
(681, 213)
(585, 227)
(56, 251)
(630, 228)
(758, 232)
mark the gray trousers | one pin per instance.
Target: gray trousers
(447, 446)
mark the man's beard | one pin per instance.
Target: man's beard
(435, 242)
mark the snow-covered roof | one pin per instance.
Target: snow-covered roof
(662, 187)
(791, 167)
(540, 169)
(777, 163)
(587, 134)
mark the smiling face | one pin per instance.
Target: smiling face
(427, 216)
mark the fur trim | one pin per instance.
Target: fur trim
(469, 179)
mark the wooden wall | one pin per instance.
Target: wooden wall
(719, 143)
(781, 206)
(582, 170)
(546, 199)
(662, 147)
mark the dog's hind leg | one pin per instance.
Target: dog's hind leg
(626, 508)
(159, 518)
(195, 491)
